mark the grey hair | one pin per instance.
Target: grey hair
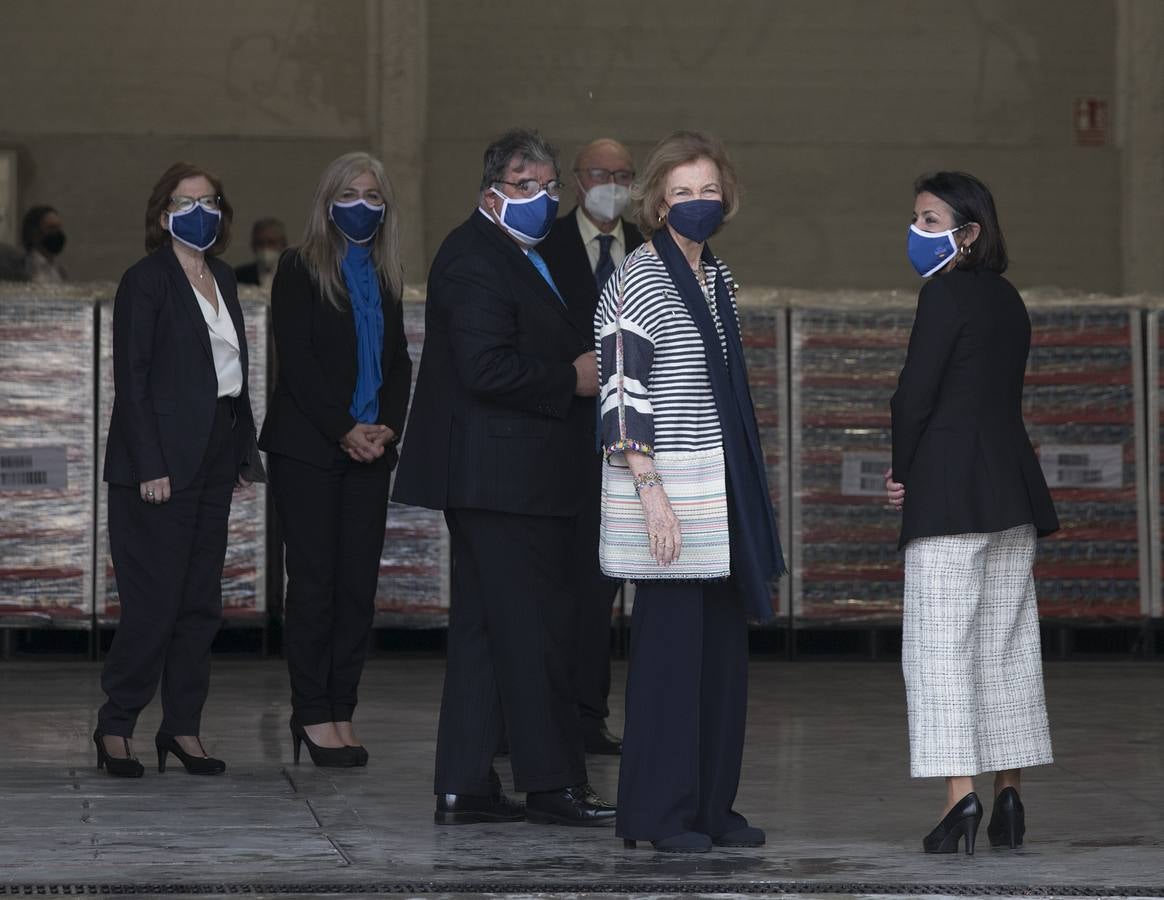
(523, 144)
(323, 246)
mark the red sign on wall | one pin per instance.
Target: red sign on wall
(1090, 122)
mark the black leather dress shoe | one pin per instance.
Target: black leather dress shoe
(600, 741)
(578, 805)
(467, 809)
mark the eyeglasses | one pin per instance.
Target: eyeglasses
(530, 187)
(603, 176)
(185, 204)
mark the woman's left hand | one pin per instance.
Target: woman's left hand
(895, 491)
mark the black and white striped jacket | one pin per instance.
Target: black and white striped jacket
(654, 384)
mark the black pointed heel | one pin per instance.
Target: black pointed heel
(323, 757)
(1008, 820)
(960, 822)
(195, 765)
(126, 767)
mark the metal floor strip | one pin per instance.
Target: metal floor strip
(211, 889)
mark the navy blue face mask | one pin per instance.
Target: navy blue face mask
(696, 220)
(197, 227)
(357, 220)
(529, 220)
(931, 251)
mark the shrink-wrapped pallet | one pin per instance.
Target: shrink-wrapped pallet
(244, 575)
(47, 453)
(1083, 405)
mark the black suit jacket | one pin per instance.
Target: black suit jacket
(495, 424)
(316, 348)
(569, 264)
(165, 386)
(959, 443)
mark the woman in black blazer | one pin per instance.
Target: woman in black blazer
(973, 500)
(180, 439)
(336, 414)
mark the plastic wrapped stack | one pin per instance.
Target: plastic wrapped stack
(413, 591)
(1083, 400)
(763, 329)
(46, 454)
(847, 350)
(1084, 409)
(244, 576)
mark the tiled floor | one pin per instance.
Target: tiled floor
(825, 773)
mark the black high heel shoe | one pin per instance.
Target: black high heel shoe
(329, 757)
(360, 752)
(960, 822)
(195, 765)
(127, 767)
(684, 842)
(1008, 820)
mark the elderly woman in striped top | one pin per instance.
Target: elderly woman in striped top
(685, 506)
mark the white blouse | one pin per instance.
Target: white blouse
(223, 344)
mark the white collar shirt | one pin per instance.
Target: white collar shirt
(224, 344)
(590, 235)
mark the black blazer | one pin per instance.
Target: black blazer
(495, 424)
(959, 443)
(569, 264)
(165, 386)
(315, 344)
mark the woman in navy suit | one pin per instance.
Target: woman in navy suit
(180, 439)
(336, 414)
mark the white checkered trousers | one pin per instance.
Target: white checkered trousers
(971, 655)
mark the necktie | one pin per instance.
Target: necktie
(605, 267)
(540, 265)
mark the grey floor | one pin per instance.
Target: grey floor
(825, 773)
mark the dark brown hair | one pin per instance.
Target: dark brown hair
(156, 236)
(971, 201)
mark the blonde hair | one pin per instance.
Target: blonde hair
(676, 149)
(323, 246)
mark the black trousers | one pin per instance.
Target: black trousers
(168, 561)
(510, 647)
(333, 530)
(686, 703)
(594, 599)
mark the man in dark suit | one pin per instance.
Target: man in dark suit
(268, 241)
(501, 423)
(583, 249)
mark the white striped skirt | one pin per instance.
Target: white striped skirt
(971, 655)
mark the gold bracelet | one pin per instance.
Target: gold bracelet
(646, 480)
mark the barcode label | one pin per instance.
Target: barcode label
(863, 474)
(1083, 465)
(34, 469)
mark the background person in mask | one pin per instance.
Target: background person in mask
(180, 438)
(678, 422)
(973, 499)
(336, 413)
(500, 432)
(268, 241)
(43, 236)
(582, 250)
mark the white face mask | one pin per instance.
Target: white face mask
(267, 258)
(606, 202)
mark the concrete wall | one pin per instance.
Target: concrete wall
(830, 109)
